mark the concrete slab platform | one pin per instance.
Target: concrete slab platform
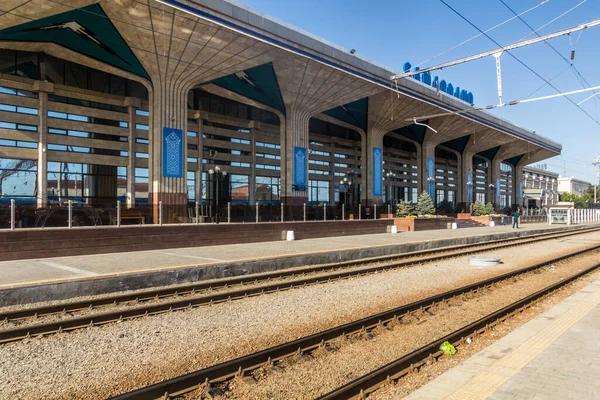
(63, 277)
(554, 357)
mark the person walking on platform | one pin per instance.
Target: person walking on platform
(516, 218)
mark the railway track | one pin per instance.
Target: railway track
(221, 373)
(193, 295)
(395, 370)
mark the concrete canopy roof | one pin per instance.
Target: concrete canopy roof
(185, 43)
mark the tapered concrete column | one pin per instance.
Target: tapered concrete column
(168, 109)
(427, 168)
(296, 153)
(440, 130)
(495, 173)
(466, 174)
(517, 192)
(43, 88)
(132, 104)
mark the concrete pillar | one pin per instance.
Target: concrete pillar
(427, 168)
(168, 109)
(517, 192)
(132, 104)
(467, 175)
(43, 89)
(296, 138)
(495, 180)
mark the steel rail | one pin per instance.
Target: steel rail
(53, 327)
(236, 367)
(359, 388)
(191, 289)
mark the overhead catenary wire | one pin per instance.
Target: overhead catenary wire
(518, 60)
(578, 75)
(480, 34)
(510, 103)
(553, 20)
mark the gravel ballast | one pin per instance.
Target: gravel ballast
(328, 370)
(100, 362)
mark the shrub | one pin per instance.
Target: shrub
(425, 205)
(404, 209)
(489, 209)
(477, 209)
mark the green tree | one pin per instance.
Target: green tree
(425, 205)
(404, 209)
(489, 209)
(477, 209)
(580, 201)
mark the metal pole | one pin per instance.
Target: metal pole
(160, 212)
(375, 211)
(217, 197)
(118, 213)
(304, 210)
(282, 215)
(389, 210)
(257, 212)
(228, 212)
(359, 215)
(343, 211)
(13, 214)
(197, 213)
(324, 212)
(70, 208)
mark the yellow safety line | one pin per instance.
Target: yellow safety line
(497, 374)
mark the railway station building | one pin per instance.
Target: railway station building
(152, 101)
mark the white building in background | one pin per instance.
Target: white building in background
(540, 187)
(572, 185)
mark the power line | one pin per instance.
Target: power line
(583, 81)
(517, 59)
(488, 30)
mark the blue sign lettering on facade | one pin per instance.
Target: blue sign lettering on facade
(442, 85)
(497, 187)
(300, 166)
(172, 153)
(431, 177)
(377, 171)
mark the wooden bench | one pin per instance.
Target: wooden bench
(128, 214)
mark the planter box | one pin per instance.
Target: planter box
(422, 224)
(463, 216)
(483, 219)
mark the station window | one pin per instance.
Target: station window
(318, 192)
(267, 189)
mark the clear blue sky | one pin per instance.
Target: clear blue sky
(391, 32)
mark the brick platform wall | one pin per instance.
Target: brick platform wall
(41, 243)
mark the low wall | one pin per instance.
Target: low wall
(58, 242)
(422, 224)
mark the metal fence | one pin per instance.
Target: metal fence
(74, 214)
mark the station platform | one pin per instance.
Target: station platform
(31, 280)
(552, 357)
